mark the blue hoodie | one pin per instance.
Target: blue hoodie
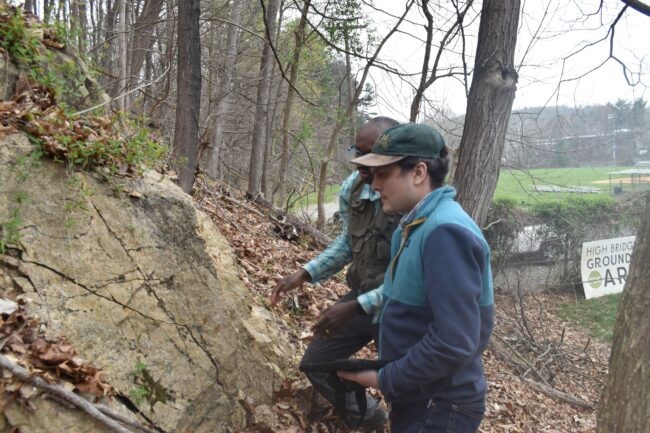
(438, 306)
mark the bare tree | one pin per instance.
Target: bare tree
(143, 38)
(30, 6)
(488, 107)
(188, 97)
(78, 23)
(427, 80)
(275, 89)
(625, 404)
(223, 96)
(294, 66)
(341, 119)
(48, 5)
(262, 106)
(122, 56)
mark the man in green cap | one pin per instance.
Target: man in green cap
(437, 310)
(364, 244)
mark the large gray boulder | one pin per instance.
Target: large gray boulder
(128, 271)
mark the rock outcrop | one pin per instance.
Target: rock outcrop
(128, 270)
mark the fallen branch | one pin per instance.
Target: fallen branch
(123, 419)
(108, 412)
(242, 205)
(498, 341)
(60, 392)
(319, 239)
(554, 393)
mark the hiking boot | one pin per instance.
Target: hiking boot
(376, 423)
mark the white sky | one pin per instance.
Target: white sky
(564, 28)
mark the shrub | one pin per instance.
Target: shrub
(565, 225)
(506, 220)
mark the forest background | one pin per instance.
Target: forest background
(276, 118)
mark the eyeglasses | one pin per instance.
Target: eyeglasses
(355, 152)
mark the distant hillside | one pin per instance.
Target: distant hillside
(614, 134)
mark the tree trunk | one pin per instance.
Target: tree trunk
(74, 21)
(488, 107)
(275, 90)
(105, 55)
(350, 83)
(82, 25)
(625, 404)
(143, 38)
(419, 93)
(188, 97)
(148, 76)
(95, 17)
(223, 95)
(29, 6)
(62, 14)
(281, 186)
(47, 10)
(262, 107)
(122, 54)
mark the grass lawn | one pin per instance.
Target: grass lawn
(311, 199)
(598, 315)
(518, 184)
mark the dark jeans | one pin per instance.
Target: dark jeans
(435, 417)
(342, 344)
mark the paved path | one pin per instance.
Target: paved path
(312, 210)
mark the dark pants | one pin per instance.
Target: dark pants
(435, 417)
(342, 344)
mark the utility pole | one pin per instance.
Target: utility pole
(613, 119)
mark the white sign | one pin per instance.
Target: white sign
(605, 264)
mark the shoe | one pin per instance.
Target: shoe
(379, 418)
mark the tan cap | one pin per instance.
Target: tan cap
(376, 160)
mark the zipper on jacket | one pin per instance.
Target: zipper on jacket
(405, 234)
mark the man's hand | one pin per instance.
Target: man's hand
(335, 317)
(363, 377)
(290, 282)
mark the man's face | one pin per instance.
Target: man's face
(396, 188)
(364, 141)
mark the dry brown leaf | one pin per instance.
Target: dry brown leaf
(26, 391)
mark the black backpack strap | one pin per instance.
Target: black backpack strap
(343, 364)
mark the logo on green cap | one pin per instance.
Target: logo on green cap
(382, 141)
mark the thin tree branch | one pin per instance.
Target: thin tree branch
(425, 80)
(124, 94)
(111, 413)
(277, 58)
(463, 54)
(638, 6)
(609, 35)
(58, 391)
(239, 26)
(611, 46)
(563, 396)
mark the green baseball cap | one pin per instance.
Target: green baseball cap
(400, 141)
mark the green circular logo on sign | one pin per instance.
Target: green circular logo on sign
(595, 279)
